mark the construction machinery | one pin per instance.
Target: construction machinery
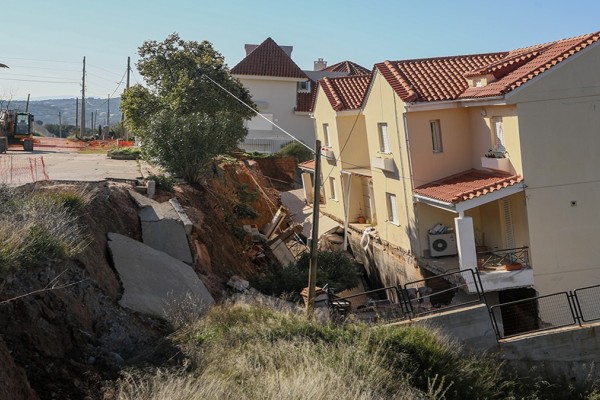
(16, 127)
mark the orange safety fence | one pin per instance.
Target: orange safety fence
(111, 143)
(19, 170)
(58, 142)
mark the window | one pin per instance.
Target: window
(436, 136)
(384, 138)
(392, 206)
(332, 188)
(326, 136)
(498, 132)
(304, 86)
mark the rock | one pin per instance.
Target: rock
(238, 283)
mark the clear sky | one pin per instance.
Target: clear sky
(44, 42)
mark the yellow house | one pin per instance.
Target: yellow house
(484, 161)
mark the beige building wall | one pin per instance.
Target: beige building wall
(349, 146)
(277, 96)
(559, 122)
(384, 106)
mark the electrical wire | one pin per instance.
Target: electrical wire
(262, 116)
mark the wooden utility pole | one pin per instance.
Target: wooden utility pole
(76, 116)
(123, 115)
(314, 241)
(108, 112)
(83, 102)
(59, 125)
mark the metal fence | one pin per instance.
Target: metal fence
(587, 301)
(264, 145)
(413, 299)
(19, 170)
(536, 314)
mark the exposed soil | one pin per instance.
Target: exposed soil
(68, 342)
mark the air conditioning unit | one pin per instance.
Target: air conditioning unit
(384, 164)
(443, 244)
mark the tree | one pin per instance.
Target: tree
(182, 118)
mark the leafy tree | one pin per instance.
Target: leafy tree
(181, 116)
(298, 150)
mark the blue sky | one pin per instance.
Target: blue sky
(44, 42)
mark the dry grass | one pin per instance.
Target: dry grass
(40, 225)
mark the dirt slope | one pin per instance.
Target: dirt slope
(66, 343)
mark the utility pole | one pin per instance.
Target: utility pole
(59, 125)
(83, 102)
(76, 116)
(108, 113)
(312, 269)
(126, 87)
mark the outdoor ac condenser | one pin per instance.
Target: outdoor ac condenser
(443, 244)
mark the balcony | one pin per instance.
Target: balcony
(384, 164)
(498, 269)
(497, 161)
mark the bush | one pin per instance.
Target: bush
(128, 153)
(298, 150)
(333, 268)
(163, 182)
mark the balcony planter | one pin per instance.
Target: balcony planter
(327, 152)
(384, 164)
(498, 164)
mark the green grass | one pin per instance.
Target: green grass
(243, 351)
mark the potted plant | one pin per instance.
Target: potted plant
(496, 160)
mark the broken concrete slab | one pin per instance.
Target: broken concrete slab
(153, 280)
(187, 223)
(141, 200)
(167, 235)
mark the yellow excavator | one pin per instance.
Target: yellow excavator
(16, 127)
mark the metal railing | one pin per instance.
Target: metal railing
(502, 257)
(264, 145)
(587, 301)
(425, 296)
(535, 314)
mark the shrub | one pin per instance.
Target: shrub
(333, 268)
(298, 150)
(163, 182)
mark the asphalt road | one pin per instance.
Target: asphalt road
(69, 165)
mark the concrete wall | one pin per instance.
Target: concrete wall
(559, 121)
(278, 97)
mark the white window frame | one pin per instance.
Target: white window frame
(303, 86)
(392, 206)
(436, 136)
(384, 138)
(326, 135)
(498, 134)
(332, 188)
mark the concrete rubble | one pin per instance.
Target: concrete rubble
(164, 226)
(152, 280)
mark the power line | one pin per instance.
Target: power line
(33, 59)
(262, 116)
(37, 80)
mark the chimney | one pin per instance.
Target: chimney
(320, 64)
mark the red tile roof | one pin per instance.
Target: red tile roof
(307, 165)
(346, 93)
(445, 78)
(467, 185)
(268, 59)
(348, 67)
(305, 100)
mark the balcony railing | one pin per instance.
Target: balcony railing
(509, 259)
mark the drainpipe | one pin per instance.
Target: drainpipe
(347, 209)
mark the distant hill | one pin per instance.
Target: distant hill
(47, 111)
